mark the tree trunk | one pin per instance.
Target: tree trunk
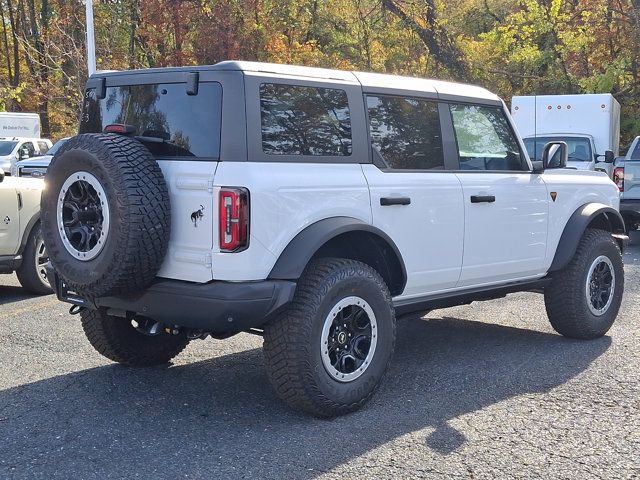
(14, 22)
(5, 39)
(433, 36)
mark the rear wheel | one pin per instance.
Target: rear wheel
(32, 274)
(120, 340)
(328, 352)
(583, 299)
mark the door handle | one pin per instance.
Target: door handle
(483, 198)
(386, 201)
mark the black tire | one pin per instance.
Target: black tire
(292, 342)
(139, 215)
(117, 339)
(566, 299)
(31, 273)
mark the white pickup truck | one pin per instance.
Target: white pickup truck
(626, 174)
(21, 246)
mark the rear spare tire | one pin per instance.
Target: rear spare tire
(106, 215)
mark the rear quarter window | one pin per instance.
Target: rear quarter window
(167, 120)
(300, 120)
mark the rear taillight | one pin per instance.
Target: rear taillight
(618, 177)
(234, 219)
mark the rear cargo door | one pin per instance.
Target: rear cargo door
(178, 116)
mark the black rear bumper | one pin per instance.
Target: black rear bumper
(217, 307)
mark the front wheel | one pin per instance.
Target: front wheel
(32, 274)
(327, 353)
(583, 299)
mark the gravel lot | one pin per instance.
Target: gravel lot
(482, 391)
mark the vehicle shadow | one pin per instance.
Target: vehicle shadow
(11, 294)
(219, 418)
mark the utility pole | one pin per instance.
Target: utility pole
(91, 39)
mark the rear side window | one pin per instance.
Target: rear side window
(485, 139)
(167, 120)
(405, 132)
(300, 120)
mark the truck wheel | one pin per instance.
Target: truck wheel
(327, 353)
(583, 299)
(32, 274)
(106, 215)
(117, 339)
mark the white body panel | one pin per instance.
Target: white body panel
(191, 189)
(11, 232)
(13, 124)
(429, 232)
(574, 189)
(597, 115)
(9, 220)
(284, 199)
(504, 240)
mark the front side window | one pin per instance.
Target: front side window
(168, 121)
(300, 120)
(405, 132)
(27, 149)
(485, 139)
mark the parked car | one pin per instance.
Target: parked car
(36, 167)
(627, 177)
(589, 124)
(22, 249)
(312, 207)
(13, 149)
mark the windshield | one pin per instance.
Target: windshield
(579, 148)
(53, 150)
(7, 147)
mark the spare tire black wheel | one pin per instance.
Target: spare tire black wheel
(106, 216)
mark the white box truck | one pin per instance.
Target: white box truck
(589, 124)
(14, 124)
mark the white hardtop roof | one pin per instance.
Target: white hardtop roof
(366, 80)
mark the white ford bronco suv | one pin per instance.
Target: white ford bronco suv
(313, 207)
(21, 246)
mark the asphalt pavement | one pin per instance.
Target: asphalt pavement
(481, 391)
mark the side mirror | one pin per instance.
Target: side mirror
(609, 157)
(555, 155)
(538, 166)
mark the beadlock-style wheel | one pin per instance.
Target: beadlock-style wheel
(42, 258)
(600, 285)
(349, 339)
(83, 216)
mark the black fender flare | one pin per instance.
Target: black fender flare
(577, 224)
(27, 231)
(296, 255)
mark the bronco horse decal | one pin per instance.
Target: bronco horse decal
(197, 215)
